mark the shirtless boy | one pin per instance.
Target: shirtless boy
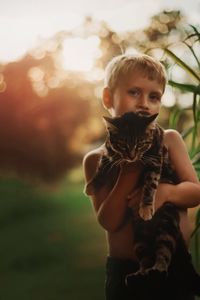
(136, 83)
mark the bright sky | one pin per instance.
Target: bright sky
(23, 22)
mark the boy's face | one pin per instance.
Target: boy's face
(138, 94)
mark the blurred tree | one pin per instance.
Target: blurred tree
(40, 113)
(166, 27)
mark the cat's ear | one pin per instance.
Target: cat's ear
(150, 119)
(109, 122)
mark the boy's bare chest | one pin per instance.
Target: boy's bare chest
(121, 242)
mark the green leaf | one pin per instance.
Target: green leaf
(193, 53)
(187, 131)
(197, 33)
(197, 224)
(196, 158)
(194, 109)
(174, 117)
(182, 64)
(185, 87)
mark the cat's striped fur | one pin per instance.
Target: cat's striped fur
(130, 138)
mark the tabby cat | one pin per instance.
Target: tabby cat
(130, 138)
(134, 137)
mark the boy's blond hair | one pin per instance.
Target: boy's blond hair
(122, 65)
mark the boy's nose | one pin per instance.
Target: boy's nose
(143, 102)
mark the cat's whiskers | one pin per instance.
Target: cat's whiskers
(120, 162)
(146, 160)
(151, 155)
(111, 164)
(106, 165)
(151, 158)
(117, 162)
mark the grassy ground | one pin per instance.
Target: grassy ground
(51, 246)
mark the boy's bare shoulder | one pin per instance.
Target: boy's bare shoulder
(171, 136)
(90, 162)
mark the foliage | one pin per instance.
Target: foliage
(192, 41)
(195, 241)
(49, 114)
(163, 29)
(51, 245)
(39, 119)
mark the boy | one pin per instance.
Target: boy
(136, 83)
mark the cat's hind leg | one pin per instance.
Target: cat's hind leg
(163, 259)
(166, 223)
(145, 274)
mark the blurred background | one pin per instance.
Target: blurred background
(52, 60)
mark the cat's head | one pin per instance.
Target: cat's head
(130, 135)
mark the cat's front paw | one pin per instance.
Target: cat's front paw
(146, 212)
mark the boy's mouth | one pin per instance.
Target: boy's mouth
(143, 113)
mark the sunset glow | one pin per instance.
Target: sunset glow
(79, 54)
(23, 24)
(21, 34)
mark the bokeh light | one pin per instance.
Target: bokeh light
(168, 98)
(79, 54)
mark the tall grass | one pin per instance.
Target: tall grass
(193, 73)
(191, 133)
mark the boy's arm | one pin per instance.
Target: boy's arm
(179, 157)
(187, 193)
(184, 195)
(111, 206)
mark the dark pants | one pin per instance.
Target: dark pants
(147, 289)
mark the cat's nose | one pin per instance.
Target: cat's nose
(132, 154)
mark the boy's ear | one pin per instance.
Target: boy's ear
(107, 98)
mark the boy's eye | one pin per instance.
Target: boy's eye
(155, 97)
(134, 92)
